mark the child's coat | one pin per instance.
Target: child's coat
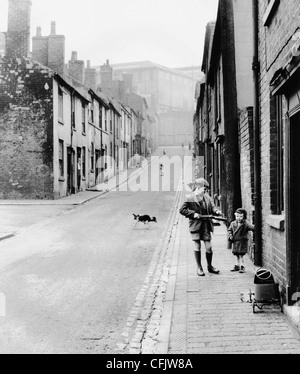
(239, 234)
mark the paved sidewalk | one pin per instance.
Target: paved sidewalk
(208, 315)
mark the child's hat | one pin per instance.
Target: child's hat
(201, 182)
(242, 211)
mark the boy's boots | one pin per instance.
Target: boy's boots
(199, 267)
(210, 268)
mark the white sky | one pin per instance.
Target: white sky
(166, 32)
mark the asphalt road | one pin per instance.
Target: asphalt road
(71, 275)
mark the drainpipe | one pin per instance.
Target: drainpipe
(256, 135)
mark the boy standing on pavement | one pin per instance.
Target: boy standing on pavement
(199, 208)
(238, 238)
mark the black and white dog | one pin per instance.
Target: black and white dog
(145, 218)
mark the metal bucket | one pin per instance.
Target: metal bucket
(266, 292)
(263, 276)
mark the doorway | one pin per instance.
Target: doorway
(294, 203)
(98, 165)
(79, 169)
(71, 171)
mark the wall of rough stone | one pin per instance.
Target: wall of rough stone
(26, 130)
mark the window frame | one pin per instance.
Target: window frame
(61, 158)
(92, 157)
(83, 118)
(277, 155)
(83, 161)
(60, 112)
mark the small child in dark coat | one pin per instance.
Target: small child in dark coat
(238, 238)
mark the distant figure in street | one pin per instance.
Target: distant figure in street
(162, 160)
(238, 238)
(137, 159)
(190, 147)
(182, 145)
(199, 208)
(79, 174)
(161, 168)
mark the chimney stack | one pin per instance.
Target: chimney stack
(90, 76)
(74, 56)
(56, 51)
(40, 47)
(18, 28)
(49, 50)
(106, 78)
(76, 68)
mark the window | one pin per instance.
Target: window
(105, 119)
(60, 105)
(83, 117)
(111, 153)
(100, 116)
(83, 158)
(117, 126)
(61, 158)
(92, 114)
(73, 101)
(276, 155)
(92, 156)
(105, 160)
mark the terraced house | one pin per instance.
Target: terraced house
(58, 136)
(247, 126)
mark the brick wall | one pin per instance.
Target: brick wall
(26, 130)
(247, 166)
(247, 158)
(275, 40)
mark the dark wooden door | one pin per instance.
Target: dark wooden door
(294, 187)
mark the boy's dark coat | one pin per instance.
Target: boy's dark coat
(192, 206)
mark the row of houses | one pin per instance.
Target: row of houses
(58, 138)
(247, 126)
(58, 135)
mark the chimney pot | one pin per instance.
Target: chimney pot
(74, 56)
(88, 64)
(39, 31)
(53, 28)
